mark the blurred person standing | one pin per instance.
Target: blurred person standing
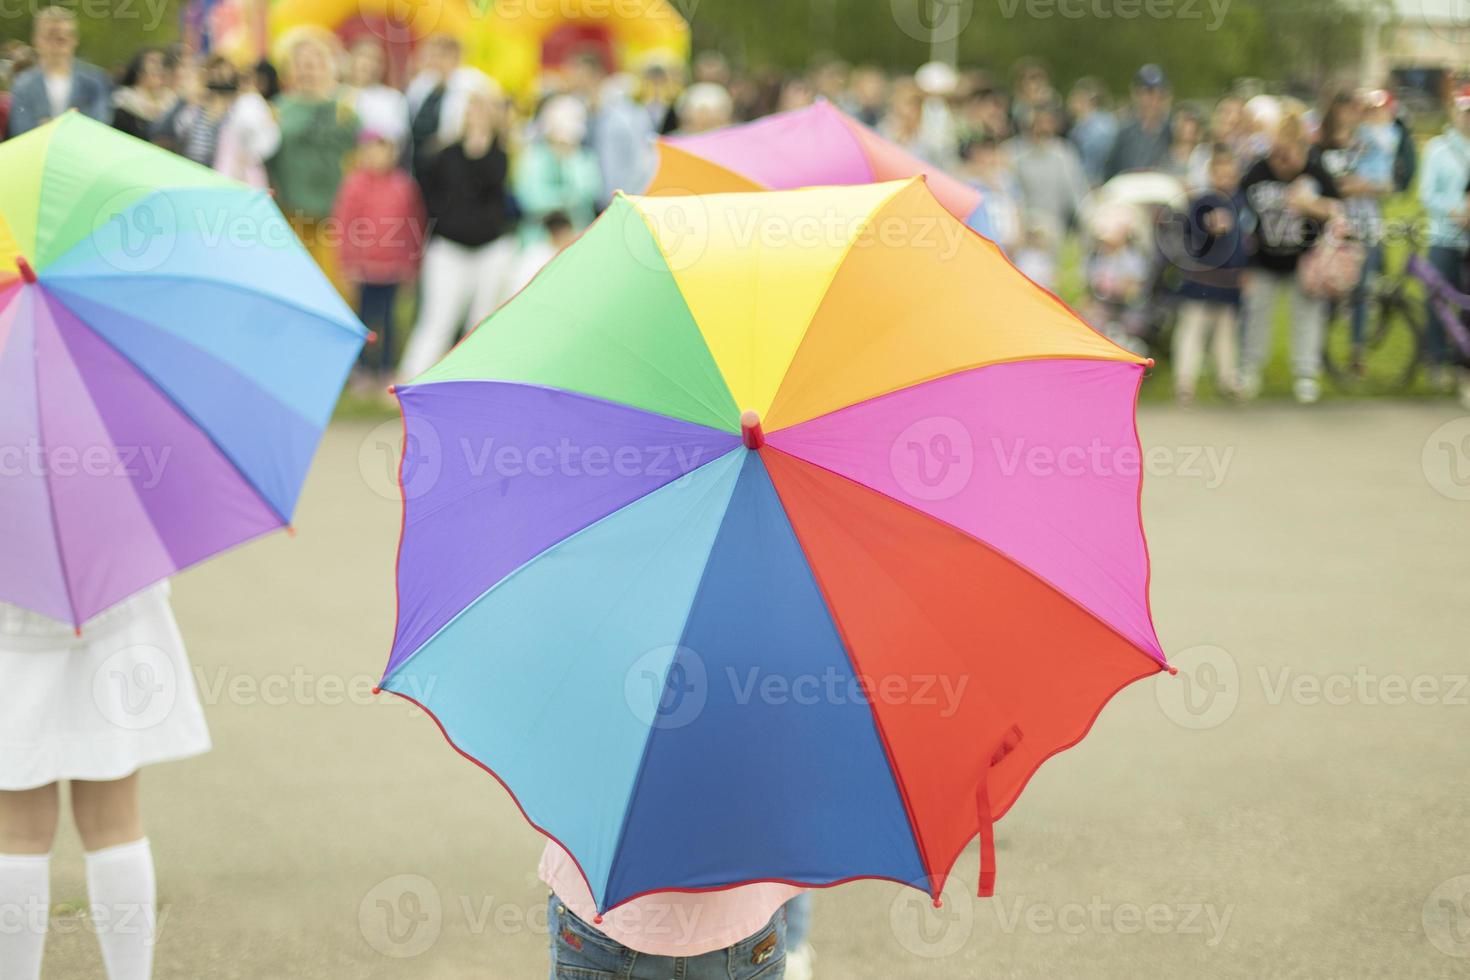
(192, 126)
(143, 95)
(1143, 141)
(1094, 128)
(471, 253)
(437, 93)
(1443, 181)
(1031, 89)
(58, 81)
(15, 58)
(938, 133)
(318, 130)
(703, 106)
(1211, 258)
(867, 95)
(379, 107)
(622, 136)
(1228, 128)
(556, 172)
(1360, 157)
(1049, 171)
(249, 134)
(1185, 145)
(985, 166)
(380, 217)
(1292, 198)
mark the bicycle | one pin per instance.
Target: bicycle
(1391, 352)
(1388, 358)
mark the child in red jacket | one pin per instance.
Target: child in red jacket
(380, 217)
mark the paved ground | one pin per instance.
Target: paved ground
(1293, 805)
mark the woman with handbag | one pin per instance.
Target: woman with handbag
(1292, 198)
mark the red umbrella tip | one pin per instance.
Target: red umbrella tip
(750, 429)
(78, 630)
(1149, 363)
(377, 689)
(372, 337)
(26, 272)
(392, 389)
(291, 530)
(1173, 671)
(938, 902)
(597, 920)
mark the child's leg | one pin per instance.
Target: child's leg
(121, 884)
(1260, 312)
(1224, 347)
(387, 324)
(27, 829)
(1308, 318)
(1189, 342)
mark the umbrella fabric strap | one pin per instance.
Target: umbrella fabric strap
(982, 808)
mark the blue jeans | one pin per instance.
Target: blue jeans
(580, 952)
(1450, 263)
(1372, 266)
(375, 309)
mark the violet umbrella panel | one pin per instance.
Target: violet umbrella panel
(169, 356)
(733, 560)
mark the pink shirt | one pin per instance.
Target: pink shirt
(669, 923)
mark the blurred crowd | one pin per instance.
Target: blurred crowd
(442, 197)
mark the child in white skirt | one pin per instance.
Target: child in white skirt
(90, 709)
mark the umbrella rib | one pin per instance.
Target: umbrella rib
(59, 281)
(652, 730)
(528, 563)
(50, 495)
(827, 289)
(169, 397)
(1133, 644)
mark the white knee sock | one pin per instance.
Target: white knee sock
(25, 907)
(123, 893)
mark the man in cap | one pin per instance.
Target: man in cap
(1143, 142)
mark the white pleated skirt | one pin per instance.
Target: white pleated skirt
(97, 706)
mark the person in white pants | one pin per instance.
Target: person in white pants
(1293, 197)
(462, 285)
(1308, 318)
(470, 259)
(89, 710)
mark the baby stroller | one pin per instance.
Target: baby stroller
(1126, 223)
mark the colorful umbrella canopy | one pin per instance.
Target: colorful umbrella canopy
(169, 355)
(816, 145)
(772, 536)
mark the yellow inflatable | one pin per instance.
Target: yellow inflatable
(511, 40)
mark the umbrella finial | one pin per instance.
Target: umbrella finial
(750, 429)
(26, 272)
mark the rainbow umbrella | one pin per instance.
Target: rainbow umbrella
(772, 536)
(169, 355)
(816, 145)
